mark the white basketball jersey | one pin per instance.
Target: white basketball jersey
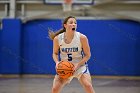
(73, 51)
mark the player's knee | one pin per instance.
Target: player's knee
(88, 85)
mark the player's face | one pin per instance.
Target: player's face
(71, 24)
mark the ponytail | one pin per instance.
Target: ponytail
(52, 34)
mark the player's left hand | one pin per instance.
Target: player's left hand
(76, 66)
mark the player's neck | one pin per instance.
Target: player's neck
(69, 35)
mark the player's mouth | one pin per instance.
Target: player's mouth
(73, 29)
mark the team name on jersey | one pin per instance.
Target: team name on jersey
(73, 49)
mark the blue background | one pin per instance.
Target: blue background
(26, 49)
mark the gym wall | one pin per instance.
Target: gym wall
(26, 49)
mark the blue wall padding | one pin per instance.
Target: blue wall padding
(10, 46)
(37, 47)
(0, 44)
(115, 46)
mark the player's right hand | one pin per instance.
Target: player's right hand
(56, 64)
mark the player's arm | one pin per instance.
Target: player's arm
(55, 50)
(86, 50)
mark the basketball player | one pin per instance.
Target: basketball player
(73, 47)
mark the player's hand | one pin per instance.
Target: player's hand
(56, 64)
(76, 66)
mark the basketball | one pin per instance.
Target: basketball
(65, 69)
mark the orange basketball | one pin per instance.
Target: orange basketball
(65, 69)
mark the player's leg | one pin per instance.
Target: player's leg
(58, 84)
(85, 81)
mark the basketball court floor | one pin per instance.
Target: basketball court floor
(43, 85)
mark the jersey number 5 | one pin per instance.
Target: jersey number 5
(69, 57)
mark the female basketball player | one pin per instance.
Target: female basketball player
(73, 47)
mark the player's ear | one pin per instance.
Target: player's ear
(65, 25)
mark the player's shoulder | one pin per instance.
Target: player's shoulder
(58, 36)
(83, 36)
(55, 38)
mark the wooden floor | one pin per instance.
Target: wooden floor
(43, 85)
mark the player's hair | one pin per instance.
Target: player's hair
(52, 34)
